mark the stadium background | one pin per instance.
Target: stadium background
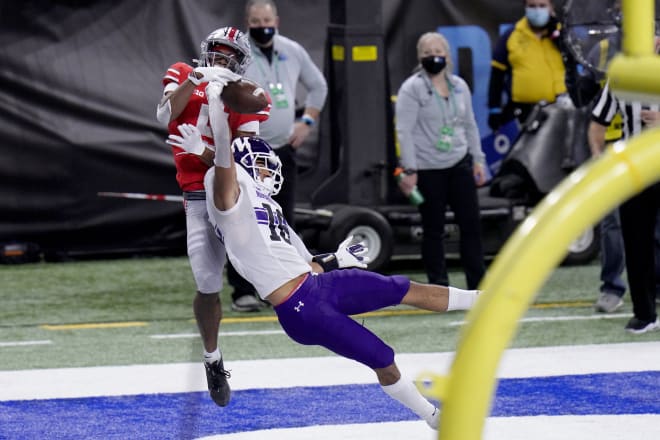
(79, 80)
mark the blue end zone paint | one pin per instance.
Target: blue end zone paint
(192, 415)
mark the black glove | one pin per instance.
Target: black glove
(495, 119)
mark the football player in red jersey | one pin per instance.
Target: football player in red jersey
(225, 54)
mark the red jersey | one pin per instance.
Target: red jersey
(190, 169)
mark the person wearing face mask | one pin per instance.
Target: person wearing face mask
(527, 65)
(441, 154)
(280, 65)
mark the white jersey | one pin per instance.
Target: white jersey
(261, 246)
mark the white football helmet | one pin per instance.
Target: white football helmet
(260, 161)
(230, 37)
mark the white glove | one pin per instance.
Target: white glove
(352, 255)
(216, 73)
(190, 139)
(213, 90)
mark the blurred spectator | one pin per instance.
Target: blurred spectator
(279, 65)
(638, 215)
(441, 155)
(612, 254)
(527, 65)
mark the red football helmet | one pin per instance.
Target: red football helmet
(229, 44)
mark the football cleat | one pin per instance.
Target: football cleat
(434, 420)
(216, 378)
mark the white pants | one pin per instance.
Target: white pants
(206, 253)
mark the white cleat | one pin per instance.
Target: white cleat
(434, 420)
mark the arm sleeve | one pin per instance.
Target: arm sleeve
(406, 110)
(471, 129)
(313, 80)
(171, 80)
(248, 122)
(176, 74)
(219, 122)
(605, 107)
(249, 127)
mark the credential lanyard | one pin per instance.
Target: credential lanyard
(447, 106)
(276, 88)
(449, 117)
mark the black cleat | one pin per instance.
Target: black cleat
(216, 378)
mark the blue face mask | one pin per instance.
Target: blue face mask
(537, 17)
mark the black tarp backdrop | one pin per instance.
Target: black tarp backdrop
(79, 81)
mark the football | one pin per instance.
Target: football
(244, 96)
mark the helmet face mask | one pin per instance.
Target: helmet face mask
(224, 56)
(215, 47)
(260, 161)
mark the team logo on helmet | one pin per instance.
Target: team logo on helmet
(214, 48)
(260, 161)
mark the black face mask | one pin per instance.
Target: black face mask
(434, 64)
(262, 35)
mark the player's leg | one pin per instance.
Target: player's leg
(439, 298)
(462, 198)
(207, 259)
(405, 391)
(310, 317)
(433, 185)
(360, 291)
(208, 313)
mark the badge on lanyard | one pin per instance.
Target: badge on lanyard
(278, 95)
(445, 139)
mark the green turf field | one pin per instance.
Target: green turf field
(135, 311)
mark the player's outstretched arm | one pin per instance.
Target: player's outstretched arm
(225, 184)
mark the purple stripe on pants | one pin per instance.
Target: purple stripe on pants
(318, 313)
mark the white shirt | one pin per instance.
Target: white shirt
(291, 64)
(262, 248)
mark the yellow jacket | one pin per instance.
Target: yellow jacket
(534, 64)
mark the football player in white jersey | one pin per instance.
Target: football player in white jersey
(312, 299)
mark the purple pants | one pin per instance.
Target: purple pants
(318, 313)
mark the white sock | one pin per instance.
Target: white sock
(405, 392)
(215, 355)
(460, 299)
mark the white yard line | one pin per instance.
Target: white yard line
(451, 324)
(280, 332)
(559, 318)
(323, 371)
(24, 343)
(222, 334)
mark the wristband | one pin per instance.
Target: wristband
(327, 261)
(308, 120)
